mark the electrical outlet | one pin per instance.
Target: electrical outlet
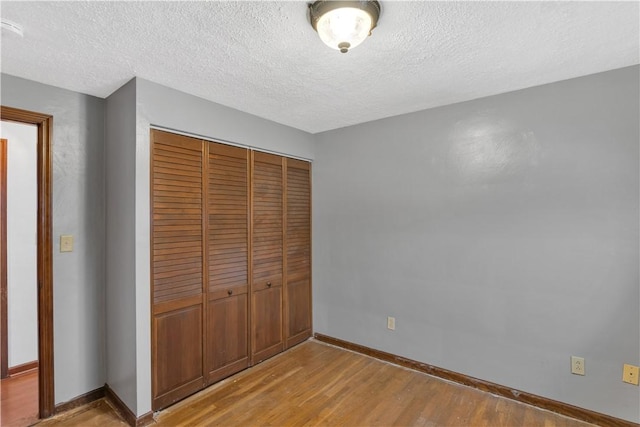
(577, 365)
(630, 374)
(66, 243)
(391, 323)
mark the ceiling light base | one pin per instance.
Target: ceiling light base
(343, 25)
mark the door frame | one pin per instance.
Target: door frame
(44, 123)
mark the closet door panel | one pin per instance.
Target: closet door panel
(178, 370)
(267, 256)
(267, 327)
(299, 311)
(177, 267)
(228, 234)
(298, 251)
(227, 335)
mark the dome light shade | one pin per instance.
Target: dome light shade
(343, 25)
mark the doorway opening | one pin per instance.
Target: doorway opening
(19, 384)
(44, 276)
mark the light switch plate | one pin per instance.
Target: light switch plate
(391, 323)
(66, 243)
(630, 374)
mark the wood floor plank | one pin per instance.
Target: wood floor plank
(94, 414)
(315, 384)
(19, 399)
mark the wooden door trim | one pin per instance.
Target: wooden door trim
(4, 346)
(44, 123)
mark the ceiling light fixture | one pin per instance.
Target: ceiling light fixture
(343, 25)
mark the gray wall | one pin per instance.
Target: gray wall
(120, 158)
(81, 185)
(502, 234)
(168, 108)
(78, 209)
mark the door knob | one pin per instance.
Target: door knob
(268, 284)
(229, 292)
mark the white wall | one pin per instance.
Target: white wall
(78, 209)
(22, 244)
(502, 233)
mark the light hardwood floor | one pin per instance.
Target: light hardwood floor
(19, 399)
(315, 384)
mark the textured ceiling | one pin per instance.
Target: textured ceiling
(264, 58)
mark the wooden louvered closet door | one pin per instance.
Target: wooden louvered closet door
(228, 303)
(267, 256)
(177, 271)
(231, 261)
(298, 251)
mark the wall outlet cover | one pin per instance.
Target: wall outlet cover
(391, 323)
(630, 374)
(577, 365)
(66, 243)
